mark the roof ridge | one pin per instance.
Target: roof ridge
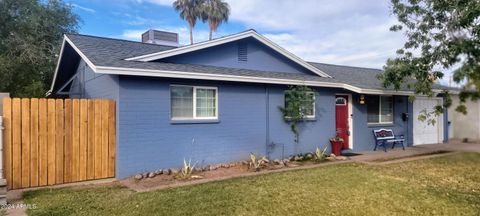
(138, 42)
(118, 39)
(345, 66)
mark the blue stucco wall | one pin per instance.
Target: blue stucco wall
(149, 140)
(87, 84)
(313, 132)
(260, 57)
(249, 118)
(363, 139)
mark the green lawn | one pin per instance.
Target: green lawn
(447, 185)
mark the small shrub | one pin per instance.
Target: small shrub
(257, 164)
(187, 169)
(320, 154)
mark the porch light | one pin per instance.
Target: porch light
(362, 99)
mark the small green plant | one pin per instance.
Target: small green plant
(257, 164)
(187, 169)
(320, 154)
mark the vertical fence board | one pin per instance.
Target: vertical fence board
(59, 139)
(16, 144)
(83, 140)
(91, 140)
(42, 142)
(75, 138)
(25, 142)
(34, 142)
(111, 138)
(98, 139)
(7, 140)
(48, 141)
(105, 115)
(68, 142)
(51, 169)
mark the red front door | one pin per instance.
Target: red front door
(341, 119)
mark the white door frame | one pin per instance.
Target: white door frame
(440, 126)
(350, 117)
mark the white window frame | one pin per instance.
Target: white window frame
(314, 102)
(194, 97)
(314, 106)
(380, 111)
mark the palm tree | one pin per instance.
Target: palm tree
(190, 11)
(215, 12)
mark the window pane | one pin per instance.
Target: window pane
(386, 112)
(308, 108)
(373, 109)
(340, 101)
(181, 101)
(206, 103)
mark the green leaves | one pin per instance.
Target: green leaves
(299, 102)
(441, 35)
(215, 12)
(30, 37)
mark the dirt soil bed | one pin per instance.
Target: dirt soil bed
(173, 180)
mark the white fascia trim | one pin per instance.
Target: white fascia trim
(223, 77)
(83, 56)
(227, 39)
(67, 40)
(56, 68)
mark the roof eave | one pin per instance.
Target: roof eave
(237, 78)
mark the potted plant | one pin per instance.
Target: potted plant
(337, 143)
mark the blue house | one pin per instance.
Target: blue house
(217, 101)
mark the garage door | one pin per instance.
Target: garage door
(424, 133)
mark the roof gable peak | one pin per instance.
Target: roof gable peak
(226, 39)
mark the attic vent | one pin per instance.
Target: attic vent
(242, 52)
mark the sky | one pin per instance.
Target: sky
(345, 32)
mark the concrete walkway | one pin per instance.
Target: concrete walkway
(419, 150)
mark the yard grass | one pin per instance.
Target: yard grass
(446, 185)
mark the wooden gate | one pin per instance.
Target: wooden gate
(56, 141)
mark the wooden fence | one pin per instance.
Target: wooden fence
(56, 141)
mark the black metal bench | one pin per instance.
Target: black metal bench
(386, 136)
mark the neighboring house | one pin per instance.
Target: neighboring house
(464, 126)
(219, 100)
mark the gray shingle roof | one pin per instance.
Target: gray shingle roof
(112, 52)
(356, 76)
(363, 77)
(105, 51)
